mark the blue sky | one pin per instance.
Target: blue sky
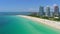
(24, 5)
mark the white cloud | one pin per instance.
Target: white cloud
(20, 9)
(33, 9)
(29, 10)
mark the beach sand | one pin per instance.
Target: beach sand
(54, 24)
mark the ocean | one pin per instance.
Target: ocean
(12, 24)
(15, 13)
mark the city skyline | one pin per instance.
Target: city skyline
(24, 5)
(47, 12)
(51, 7)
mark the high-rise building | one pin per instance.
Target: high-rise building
(41, 11)
(56, 10)
(48, 11)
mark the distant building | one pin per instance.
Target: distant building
(56, 11)
(48, 11)
(41, 11)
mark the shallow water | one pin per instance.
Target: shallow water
(19, 25)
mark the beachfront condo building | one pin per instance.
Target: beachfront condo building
(56, 10)
(48, 11)
(41, 11)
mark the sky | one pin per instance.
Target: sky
(25, 5)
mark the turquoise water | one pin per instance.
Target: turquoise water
(19, 25)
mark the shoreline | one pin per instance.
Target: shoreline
(54, 24)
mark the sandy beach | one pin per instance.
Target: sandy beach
(54, 24)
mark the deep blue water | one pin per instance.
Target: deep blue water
(15, 13)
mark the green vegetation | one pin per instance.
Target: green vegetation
(44, 17)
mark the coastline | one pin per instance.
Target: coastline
(54, 24)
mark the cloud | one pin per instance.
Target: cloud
(7, 9)
(33, 9)
(19, 9)
(29, 10)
